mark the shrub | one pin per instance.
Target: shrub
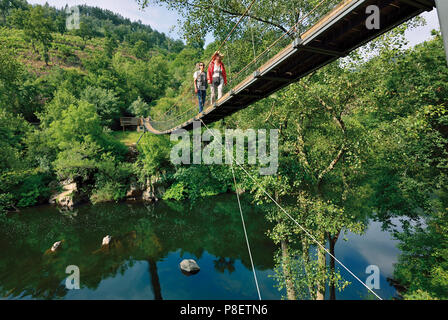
(106, 103)
(175, 192)
(139, 108)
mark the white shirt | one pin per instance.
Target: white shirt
(217, 72)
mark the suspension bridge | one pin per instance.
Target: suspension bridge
(335, 35)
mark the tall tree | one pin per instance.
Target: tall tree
(38, 29)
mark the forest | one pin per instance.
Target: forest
(363, 138)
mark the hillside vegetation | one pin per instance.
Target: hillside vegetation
(62, 93)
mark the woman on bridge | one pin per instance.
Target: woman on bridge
(217, 76)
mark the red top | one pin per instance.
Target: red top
(211, 67)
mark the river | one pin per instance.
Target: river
(150, 240)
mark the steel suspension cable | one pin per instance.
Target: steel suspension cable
(245, 232)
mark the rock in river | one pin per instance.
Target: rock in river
(56, 246)
(189, 266)
(106, 240)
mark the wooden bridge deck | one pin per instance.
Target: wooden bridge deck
(335, 35)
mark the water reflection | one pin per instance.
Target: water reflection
(149, 241)
(148, 244)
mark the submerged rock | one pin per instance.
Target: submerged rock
(189, 266)
(56, 246)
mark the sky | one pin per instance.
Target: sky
(163, 20)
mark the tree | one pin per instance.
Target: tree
(139, 108)
(110, 46)
(6, 6)
(140, 49)
(154, 157)
(13, 129)
(410, 169)
(106, 103)
(86, 29)
(10, 78)
(38, 28)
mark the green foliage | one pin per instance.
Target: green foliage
(24, 188)
(423, 266)
(38, 27)
(359, 139)
(110, 46)
(196, 182)
(79, 122)
(140, 49)
(106, 103)
(78, 162)
(93, 80)
(175, 192)
(154, 154)
(86, 29)
(139, 108)
(201, 17)
(18, 93)
(12, 132)
(145, 79)
(111, 180)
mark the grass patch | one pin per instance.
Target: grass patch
(127, 137)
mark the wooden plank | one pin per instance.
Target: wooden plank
(332, 14)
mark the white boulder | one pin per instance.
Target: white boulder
(107, 240)
(56, 246)
(189, 266)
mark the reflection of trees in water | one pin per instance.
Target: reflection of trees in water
(155, 283)
(222, 264)
(212, 226)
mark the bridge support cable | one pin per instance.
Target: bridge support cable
(144, 131)
(245, 232)
(322, 246)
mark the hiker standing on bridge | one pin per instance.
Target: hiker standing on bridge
(200, 85)
(217, 76)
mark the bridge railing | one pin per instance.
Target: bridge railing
(306, 22)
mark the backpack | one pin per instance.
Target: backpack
(201, 81)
